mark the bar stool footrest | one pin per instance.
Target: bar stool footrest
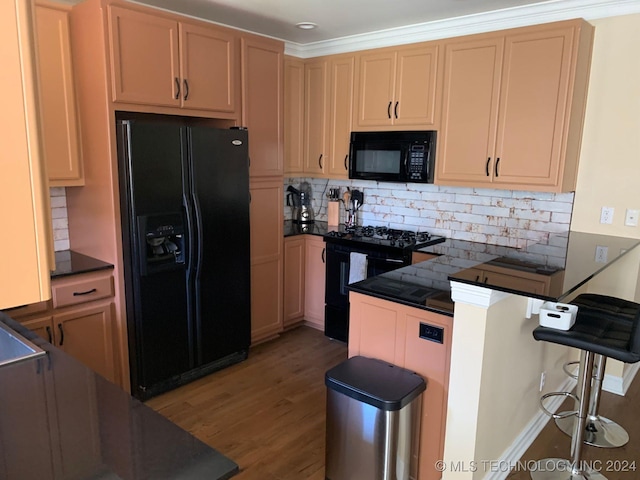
(556, 394)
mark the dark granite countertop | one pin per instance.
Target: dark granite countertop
(292, 229)
(60, 420)
(548, 271)
(69, 262)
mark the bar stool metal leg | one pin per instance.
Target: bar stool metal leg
(600, 431)
(574, 469)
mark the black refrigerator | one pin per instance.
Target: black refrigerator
(184, 198)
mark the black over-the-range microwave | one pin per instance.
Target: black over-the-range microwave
(401, 156)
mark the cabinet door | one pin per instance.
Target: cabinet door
(341, 78)
(144, 58)
(469, 111)
(294, 263)
(85, 333)
(533, 103)
(293, 116)
(375, 89)
(43, 327)
(314, 284)
(415, 92)
(25, 214)
(266, 258)
(58, 97)
(262, 93)
(316, 110)
(207, 63)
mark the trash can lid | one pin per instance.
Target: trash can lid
(380, 384)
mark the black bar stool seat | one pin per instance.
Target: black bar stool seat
(609, 328)
(600, 431)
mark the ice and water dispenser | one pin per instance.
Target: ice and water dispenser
(161, 242)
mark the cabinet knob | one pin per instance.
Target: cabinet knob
(346, 157)
(320, 161)
(177, 88)
(487, 167)
(497, 163)
(186, 89)
(323, 255)
(395, 110)
(49, 334)
(389, 110)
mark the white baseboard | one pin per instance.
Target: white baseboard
(620, 385)
(530, 432)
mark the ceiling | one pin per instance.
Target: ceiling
(335, 18)
(347, 25)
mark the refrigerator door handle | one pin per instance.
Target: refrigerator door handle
(189, 231)
(198, 240)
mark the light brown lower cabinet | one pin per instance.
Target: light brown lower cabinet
(79, 321)
(314, 278)
(294, 259)
(392, 332)
(304, 281)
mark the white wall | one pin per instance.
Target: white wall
(609, 172)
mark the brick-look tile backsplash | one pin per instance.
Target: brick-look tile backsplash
(498, 217)
(58, 196)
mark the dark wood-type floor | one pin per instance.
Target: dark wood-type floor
(268, 413)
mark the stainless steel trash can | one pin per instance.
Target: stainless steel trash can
(373, 421)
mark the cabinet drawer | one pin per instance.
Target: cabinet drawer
(80, 289)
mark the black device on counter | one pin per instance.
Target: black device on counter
(393, 156)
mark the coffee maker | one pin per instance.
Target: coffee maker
(299, 199)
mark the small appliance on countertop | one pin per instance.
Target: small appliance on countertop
(299, 199)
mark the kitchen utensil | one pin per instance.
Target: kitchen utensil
(358, 198)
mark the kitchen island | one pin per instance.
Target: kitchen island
(60, 420)
(465, 318)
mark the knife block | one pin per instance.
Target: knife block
(333, 213)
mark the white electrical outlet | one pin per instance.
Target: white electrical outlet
(543, 377)
(631, 219)
(601, 254)
(606, 215)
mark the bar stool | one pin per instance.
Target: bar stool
(595, 332)
(600, 431)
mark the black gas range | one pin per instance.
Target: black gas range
(381, 238)
(377, 250)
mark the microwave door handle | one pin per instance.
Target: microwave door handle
(406, 163)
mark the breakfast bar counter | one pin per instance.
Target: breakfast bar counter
(551, 271)
(60, 420)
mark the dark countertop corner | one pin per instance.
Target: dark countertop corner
(69, 262)
(65, 421)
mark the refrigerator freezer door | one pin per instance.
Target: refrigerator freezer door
(160, 336)
(219, 166)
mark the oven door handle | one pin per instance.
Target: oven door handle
(386, 260)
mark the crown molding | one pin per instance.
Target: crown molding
(551, 11)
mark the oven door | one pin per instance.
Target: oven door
(336, 318)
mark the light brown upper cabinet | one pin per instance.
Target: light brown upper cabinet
(513, 108)
(316, 114)
(263, 104)
(398, 88)
(160, 61)
(24, 196)
(59, 112)
(293, 116)
(328, 109)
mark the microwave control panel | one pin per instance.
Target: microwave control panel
(418, 166)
